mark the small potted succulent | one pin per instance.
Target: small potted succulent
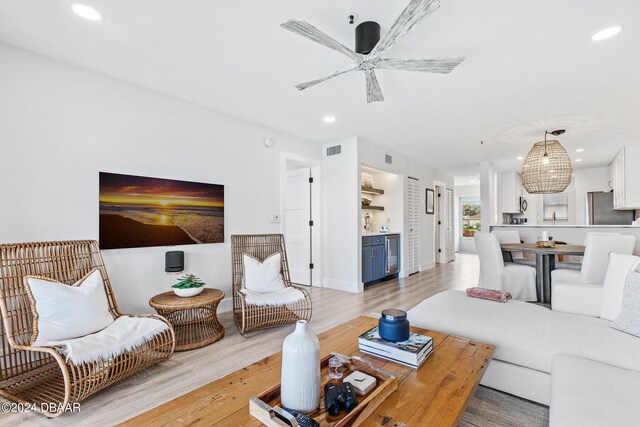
(188, 286)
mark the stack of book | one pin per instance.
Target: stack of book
(412, 352)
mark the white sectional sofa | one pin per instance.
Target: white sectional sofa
(580, 366)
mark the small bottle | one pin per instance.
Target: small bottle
(336, 368)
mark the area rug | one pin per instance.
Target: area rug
(491, 408)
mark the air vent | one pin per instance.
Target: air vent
(388, 158)
(332, 151)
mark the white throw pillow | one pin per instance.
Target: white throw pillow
(68, 311)
(263, 276)
(614, 281)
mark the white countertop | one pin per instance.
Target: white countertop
(379, 234)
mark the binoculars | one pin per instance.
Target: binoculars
(338, 397)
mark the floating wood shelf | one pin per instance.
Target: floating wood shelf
(370, 190)
(373, 208)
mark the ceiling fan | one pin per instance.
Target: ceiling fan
(370, 47)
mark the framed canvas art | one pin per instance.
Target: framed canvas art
(138, 211)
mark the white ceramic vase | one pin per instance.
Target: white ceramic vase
(300, 389)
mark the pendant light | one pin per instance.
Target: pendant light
(547, 168)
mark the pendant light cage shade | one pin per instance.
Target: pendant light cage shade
(546, 177)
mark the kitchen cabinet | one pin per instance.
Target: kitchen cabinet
(511, 192)
(374, 264)
(624, 176)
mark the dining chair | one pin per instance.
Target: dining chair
(517, 279)
(512, 236)
(577, 265)
(579, 291)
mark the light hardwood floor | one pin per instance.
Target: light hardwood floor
(186, 371)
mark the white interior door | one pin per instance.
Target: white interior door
(297, 229)
(413, 223)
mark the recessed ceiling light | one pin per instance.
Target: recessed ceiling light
(606, 33)
(86, 12)
(579, 150)
(519, 158)
(578, 160)
(328, 119)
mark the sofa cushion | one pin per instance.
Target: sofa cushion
(614, 282)
(587, 393)
(526, 334)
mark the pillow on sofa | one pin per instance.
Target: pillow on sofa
(263, 276)
(614, 284)
(629, 319)
(64, 311)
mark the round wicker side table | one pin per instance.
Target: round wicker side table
(194, 319)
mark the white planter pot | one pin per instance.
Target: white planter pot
(300, 381)
(188, 292)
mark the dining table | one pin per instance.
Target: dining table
(545, 262)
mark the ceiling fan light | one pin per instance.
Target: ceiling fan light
(536, 176)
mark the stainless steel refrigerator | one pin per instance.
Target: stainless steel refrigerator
(600, 210)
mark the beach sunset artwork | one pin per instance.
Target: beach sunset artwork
(138, 211)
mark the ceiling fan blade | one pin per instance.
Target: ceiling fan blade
(374, 94)
(413, 14)
(303, 86)
(435, 65)
(309, 31)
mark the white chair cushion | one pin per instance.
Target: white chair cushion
(614, 281)
(577, 298)
(68, 311)
(288, 295)
(263, 276)
(526, 334)
(585, 393)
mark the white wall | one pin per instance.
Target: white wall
(341, 213)
(391, 200)
(490, 188)
(61, 125)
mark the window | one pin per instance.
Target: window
(557, 203)
(470, 216)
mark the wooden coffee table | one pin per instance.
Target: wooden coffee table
(194, 319)
(436, 394)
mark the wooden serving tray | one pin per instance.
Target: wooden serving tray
(546, 244)
(386, 385)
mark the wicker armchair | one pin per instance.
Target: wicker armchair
(251, 317)
(40, 375)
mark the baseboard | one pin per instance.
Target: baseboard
(428, 266)
(343, 285)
